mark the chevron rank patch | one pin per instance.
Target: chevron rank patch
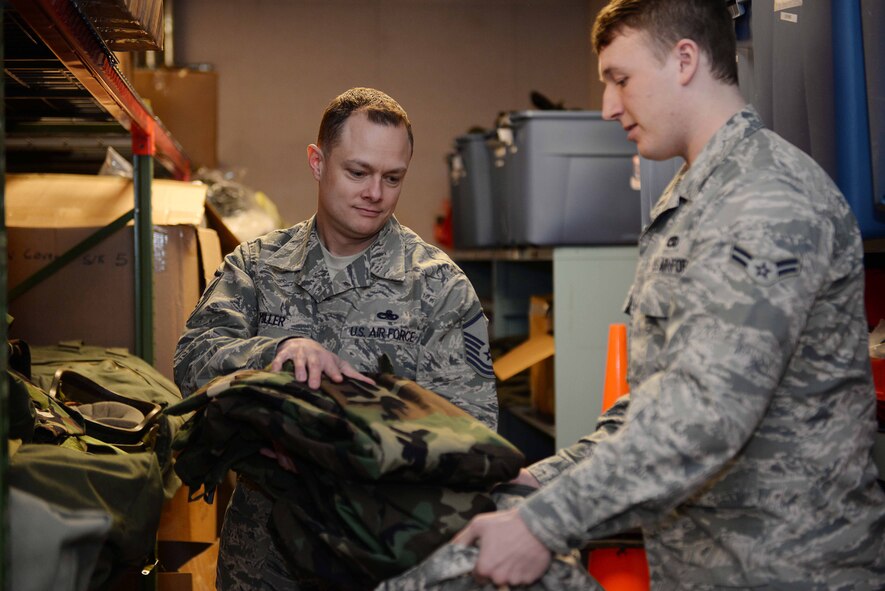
(476, 349)
(762, 270)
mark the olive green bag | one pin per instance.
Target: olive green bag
(79, 374)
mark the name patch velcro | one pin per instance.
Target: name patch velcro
(268, 319)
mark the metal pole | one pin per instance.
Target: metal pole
(4, 394)
(143, 152)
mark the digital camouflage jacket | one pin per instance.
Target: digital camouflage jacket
(746, 452)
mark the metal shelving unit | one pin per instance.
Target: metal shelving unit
(4, 393)
(64, 101)
(588, 284)
(66, 96)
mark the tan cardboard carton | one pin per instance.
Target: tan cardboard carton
(186, 101)
(92, 298)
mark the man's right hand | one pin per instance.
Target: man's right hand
(311, 360)
(525, 477)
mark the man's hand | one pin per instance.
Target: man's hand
(312, 360)
(509, 554)
(525, 477)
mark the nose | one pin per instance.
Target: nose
(372, 189)
(611, 104)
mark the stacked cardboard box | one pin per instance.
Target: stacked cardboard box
(93, 298)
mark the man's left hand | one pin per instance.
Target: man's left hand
(509, 554)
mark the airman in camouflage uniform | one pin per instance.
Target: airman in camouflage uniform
(745, 452)
(282, 298)
(403, 298)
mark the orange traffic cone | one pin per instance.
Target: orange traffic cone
(615, 384)
(618, 569)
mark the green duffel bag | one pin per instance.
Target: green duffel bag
(127, 487)
(114, 369)
(127, 423)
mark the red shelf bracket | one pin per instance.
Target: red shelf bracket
(143, 140)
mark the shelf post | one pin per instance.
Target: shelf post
(4, 393)
(143, 149)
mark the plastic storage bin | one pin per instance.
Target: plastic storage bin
(471, 192)
(563, 177)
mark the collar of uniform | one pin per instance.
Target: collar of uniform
(384, 259)
(292, 255)
(387, 257)
(689, 180)
(670, 197)
(741, 125)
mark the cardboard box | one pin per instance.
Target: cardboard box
(183, 520)
(93, 297)
(537, 354)
(186, 101)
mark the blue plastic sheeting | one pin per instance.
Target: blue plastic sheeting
(853, 156)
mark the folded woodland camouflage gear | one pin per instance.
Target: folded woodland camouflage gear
(386, 473)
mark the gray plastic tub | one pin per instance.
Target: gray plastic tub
(563, 177)
(471, 192)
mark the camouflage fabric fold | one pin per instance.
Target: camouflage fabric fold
(386, 473)
(450, 568)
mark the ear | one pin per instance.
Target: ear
(688, 58)
(315, 160)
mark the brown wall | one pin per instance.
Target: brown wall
(452, 64)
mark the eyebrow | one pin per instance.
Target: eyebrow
(608, 73)
(366, 165)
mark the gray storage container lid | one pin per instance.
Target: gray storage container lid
(555, 115)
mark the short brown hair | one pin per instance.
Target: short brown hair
(706, 22)
(377, 106)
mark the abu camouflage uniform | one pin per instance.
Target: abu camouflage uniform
(386, 473)
(745, 455)
(402, 297)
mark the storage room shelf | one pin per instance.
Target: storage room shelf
(62, 82)
(65, 101)
(528, 253)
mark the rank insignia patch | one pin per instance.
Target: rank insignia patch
(764, 271)
(476, 349)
